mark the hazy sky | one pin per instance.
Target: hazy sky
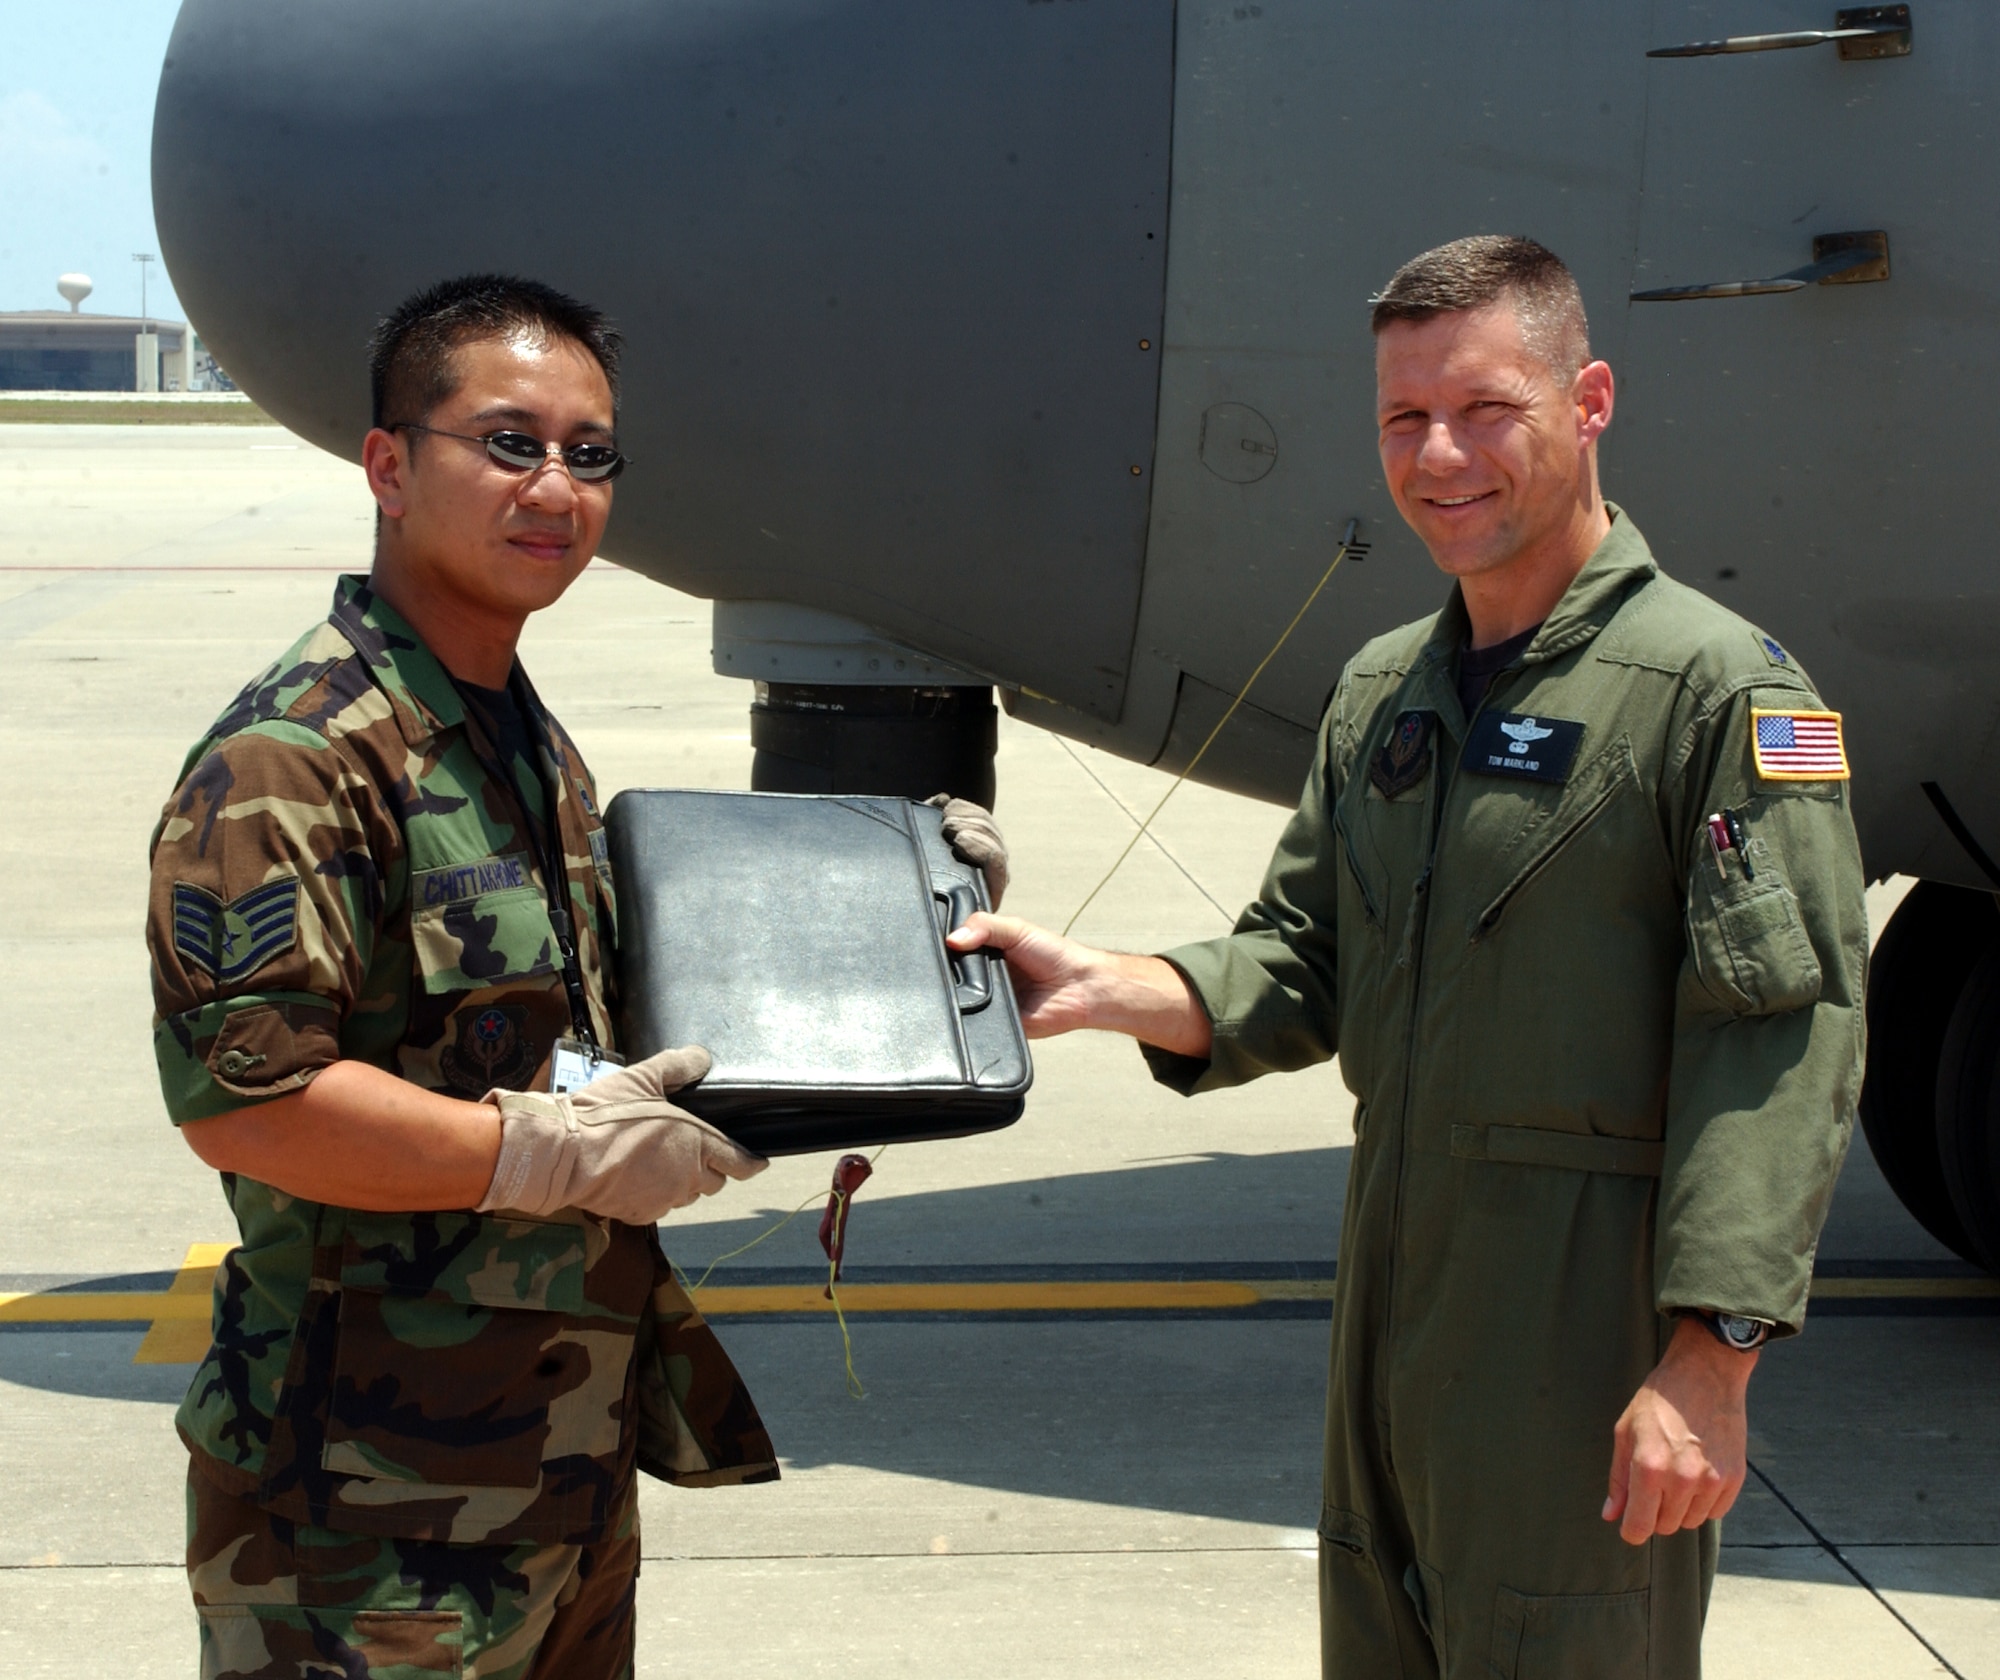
(76, 126)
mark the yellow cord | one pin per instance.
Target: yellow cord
(839, 1225)
(1284, 636)
(770, 1230)
(833, 1294)
(854, 1387)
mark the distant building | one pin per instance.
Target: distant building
(56, 350)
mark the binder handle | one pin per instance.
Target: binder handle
(971, 971)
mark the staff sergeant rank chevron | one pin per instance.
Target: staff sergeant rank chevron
(234, 939)
(1798, 746)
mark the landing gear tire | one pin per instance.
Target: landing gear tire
(1968, 1111)
(902, 741)
(1936, 939)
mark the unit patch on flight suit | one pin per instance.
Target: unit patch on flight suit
(1510, 744)
(1405, 757)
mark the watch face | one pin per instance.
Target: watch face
(1744, 1333)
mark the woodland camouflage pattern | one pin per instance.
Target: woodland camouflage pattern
(340, 875)
(278, 1600)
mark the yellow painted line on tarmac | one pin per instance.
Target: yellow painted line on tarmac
(177, 1318)
(1890, 1289)
(133, 1307)
(178, 1336)
(737, 1300)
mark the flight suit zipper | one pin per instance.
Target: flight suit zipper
(1411, 957)
(1367, 898)
(1489, 918)
(1407, 956)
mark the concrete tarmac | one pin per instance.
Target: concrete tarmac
(1121, 1490)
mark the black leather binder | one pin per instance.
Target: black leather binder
(800, 937)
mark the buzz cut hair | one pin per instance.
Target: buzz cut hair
(411, 361)
(1485, 269)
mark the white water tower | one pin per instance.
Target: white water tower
(75, 288)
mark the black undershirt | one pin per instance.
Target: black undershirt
(1477, 667)
(499, 715)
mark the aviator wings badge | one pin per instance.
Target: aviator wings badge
(1524, 734)
(1535, 749)
(1405, 757)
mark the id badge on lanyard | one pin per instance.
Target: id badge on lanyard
(574, 1064)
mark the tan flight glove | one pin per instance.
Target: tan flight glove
(616, 1148)
(974, 837)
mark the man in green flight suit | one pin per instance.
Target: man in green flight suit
(1573, 891)
(380, 927)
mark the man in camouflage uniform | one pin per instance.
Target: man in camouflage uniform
(1574, 891)
(449, 1334)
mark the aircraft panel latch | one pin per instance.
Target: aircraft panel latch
(1839, 259)
(1860, 32)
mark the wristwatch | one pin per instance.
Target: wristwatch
(1744, 1335)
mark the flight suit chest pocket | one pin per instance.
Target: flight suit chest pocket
(463, 1356)
(479, 923)
(1544, 825)
(1385, 842)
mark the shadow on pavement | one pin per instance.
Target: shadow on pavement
(1195, 1209)
(1879, 1429)
(1214, 1418)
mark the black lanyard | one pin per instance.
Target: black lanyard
(554, 875)
(546, 840)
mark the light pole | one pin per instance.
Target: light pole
(148, 348)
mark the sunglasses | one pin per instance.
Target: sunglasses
(588, 463)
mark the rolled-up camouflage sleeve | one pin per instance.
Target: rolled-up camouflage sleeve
(268, 872)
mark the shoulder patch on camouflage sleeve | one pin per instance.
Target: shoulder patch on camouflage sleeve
(230, 941)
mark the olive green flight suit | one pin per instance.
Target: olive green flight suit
(1602, 1072)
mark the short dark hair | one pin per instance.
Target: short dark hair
(410, 355)
(1473, 273)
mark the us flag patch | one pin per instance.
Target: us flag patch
(1798, 746)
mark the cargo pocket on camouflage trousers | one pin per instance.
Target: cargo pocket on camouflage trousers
(1579, 1636)
(242, 1642)
(274, 1600)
